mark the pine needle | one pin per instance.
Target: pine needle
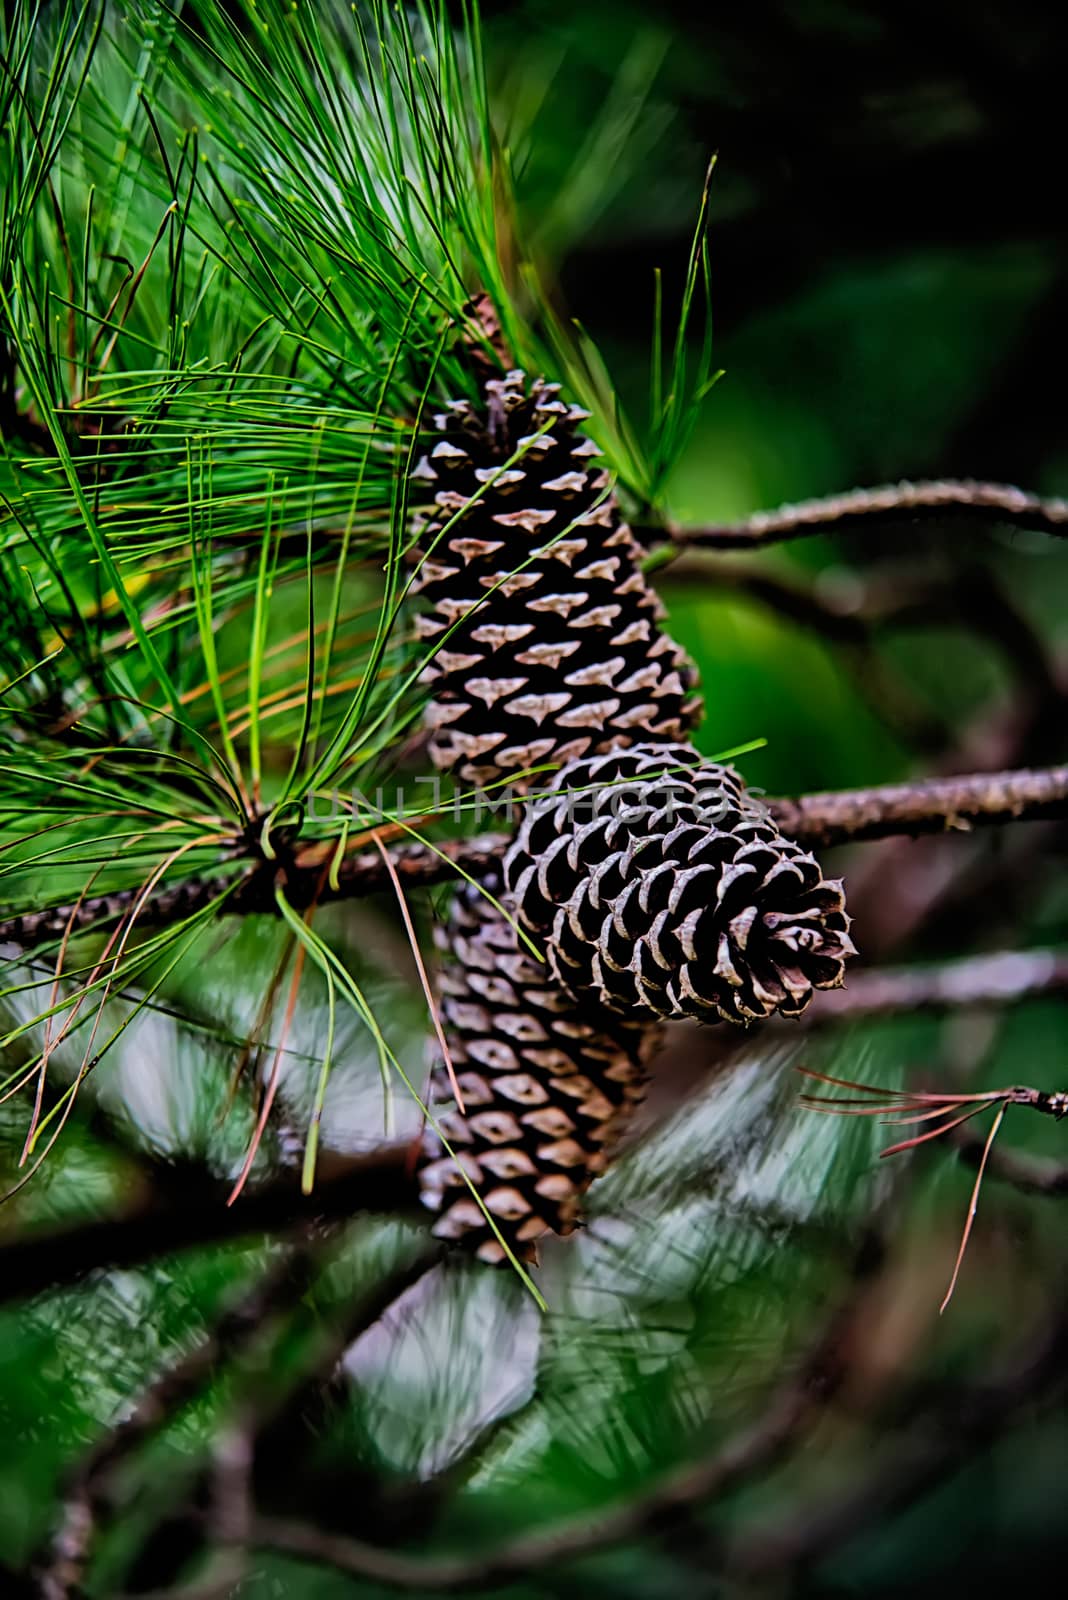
(428, 988)
(933, 1133)
(35, 1114)
(311, 1148)
(897, 1106)
(973, 1206)
(271, 1086)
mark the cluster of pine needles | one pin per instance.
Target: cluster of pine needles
(937, 1113)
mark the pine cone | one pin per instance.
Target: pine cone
(547, 1083)
(662, 889)
(547, 636)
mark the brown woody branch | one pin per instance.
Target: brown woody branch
(998, 979)
(961, 498)
(285, 1282)
(365, 873)
(40, 1259)
(851, 614)
(931, 1442)
(260, 1401)
(932, 805)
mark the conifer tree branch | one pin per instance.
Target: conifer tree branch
(762, 1443)
(929, 805)
(961, 498)
(37, 1260)
(241, 1324)
(282, 1285)
(364, 873)
(932, 1441)
(971, 595)
(1000, 978)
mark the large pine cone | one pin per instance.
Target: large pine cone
(662, 889)
(546, 633)
(547, 1082)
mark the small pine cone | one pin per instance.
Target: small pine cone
(662, 889)
(547, 1083)
(548, 645)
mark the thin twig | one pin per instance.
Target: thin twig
(931, 805)
(852, 616)
(960, 498)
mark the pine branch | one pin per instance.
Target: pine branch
(962, 498)
(241, 1325)
(1001, 978)
(42, 1259)
(691, 1485)
(932, 805)
(867, 603)
(854, 614)
(282, 1285)
(936, 1439)
(418, 866)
